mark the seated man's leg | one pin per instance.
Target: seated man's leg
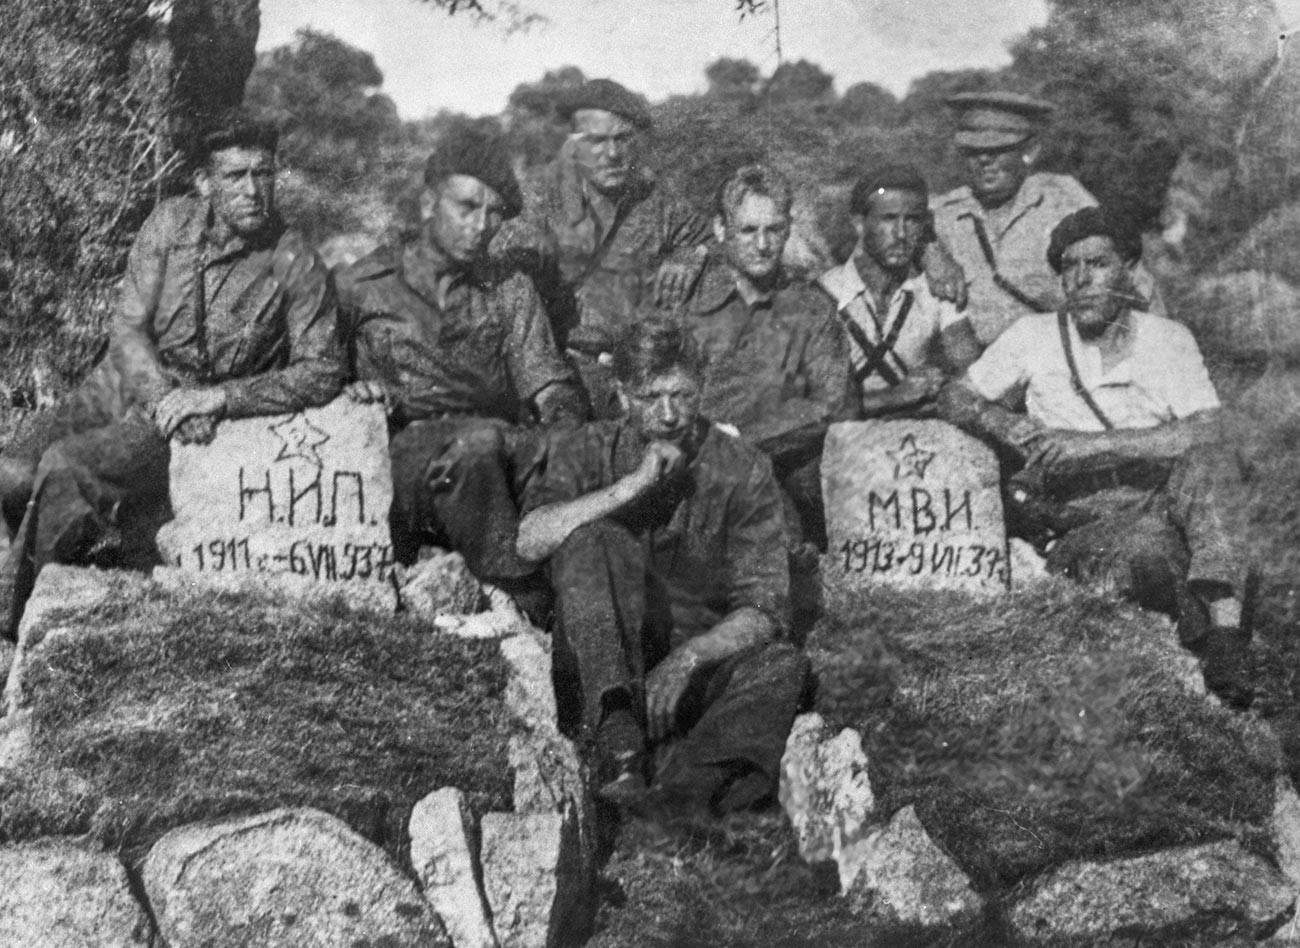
(1136, 554)
(81, 485)
(735, 723)
(452, 480)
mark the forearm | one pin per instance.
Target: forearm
(741, 629)
(306, 384)
(1115, 450)
(962, 406)
(542, 531)
(887, 401)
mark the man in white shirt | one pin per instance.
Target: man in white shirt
(1111, 418)
(904, 342)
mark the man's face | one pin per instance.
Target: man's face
(460, 216)
(891, 230)
(605, 148)
(996, 174)
(754, 235)
(240, 183)
(1096, 281)
(665, 408)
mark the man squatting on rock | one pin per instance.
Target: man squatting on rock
(667, 552)
(460, 351)
(1109, 415)
(223, 313)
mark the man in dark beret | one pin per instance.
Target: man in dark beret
(997, 224)
(607, 238)
(1108, 415)
(460, 351)
(223, 313)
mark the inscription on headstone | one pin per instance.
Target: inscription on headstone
(912, 504)
(306, 494)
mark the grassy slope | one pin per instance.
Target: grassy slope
(181, 708)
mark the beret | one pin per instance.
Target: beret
(894, 177)
(997, 119)
(609, 96)
(479, 152)
(233, 128)
(1093, 222)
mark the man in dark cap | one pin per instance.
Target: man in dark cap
(608, 238)
(904, 342)
(1109, 416)
(460, 351)
(998, 223)
(667, 550)
(223, 314)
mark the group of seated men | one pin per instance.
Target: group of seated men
(619, 407)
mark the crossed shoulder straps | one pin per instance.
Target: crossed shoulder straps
(875, 356)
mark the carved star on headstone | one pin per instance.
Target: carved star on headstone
(910, 460)
(299, 438)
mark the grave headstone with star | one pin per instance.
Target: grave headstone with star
(303, 497)
(911, 504)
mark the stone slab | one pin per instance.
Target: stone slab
(533, 872)
(913, 505)
(443, 856)
(306, 494)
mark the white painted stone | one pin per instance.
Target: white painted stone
(441, 584)
(825, 790)
(1028, 566)
(57, 894)
(1286, 830)
(533, 874)
(291, 878)
(530, 694)
(441, 831)
(902, 877)
(502, 618)
(913, 505)
(306, 495)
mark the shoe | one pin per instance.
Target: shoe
(1227, 666)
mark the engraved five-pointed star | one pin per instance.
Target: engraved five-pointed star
(299, 439)
(909, 459)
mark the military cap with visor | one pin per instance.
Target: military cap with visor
(993, 120)
(608, 96)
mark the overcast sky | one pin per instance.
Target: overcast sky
(659, 47)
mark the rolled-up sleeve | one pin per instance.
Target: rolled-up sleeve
(134, 351)
(1003, 367)
(314, 370)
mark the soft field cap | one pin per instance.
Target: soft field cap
(997, 119)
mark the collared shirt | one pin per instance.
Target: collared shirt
(927, 317)
(777, 369)
(259, 318)
(1160, 378)
(1019, 248)
(597, 270)
(486, 352)
(716, 534)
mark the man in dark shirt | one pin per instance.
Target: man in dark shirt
(461, 352)
(776, 361)
(223, 314)
(608, 238)
(667, 551)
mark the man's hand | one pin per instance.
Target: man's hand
(673, 282)
(661, 461)
(198, 429)
(944, 275)
(664, 687)
(1056, 451)
(182, 403)
(366, 392)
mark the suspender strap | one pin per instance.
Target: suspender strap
(1002, 283)
(875, 357)
(1076, 383)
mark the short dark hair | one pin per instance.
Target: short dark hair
(1093, 222)
(232, 128)
(753, 179)
(894, 177)
(653, 347)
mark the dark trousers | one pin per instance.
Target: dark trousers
(614, 623)
(456, 483)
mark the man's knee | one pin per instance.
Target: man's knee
(602, 537)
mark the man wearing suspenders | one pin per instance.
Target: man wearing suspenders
(1111, 417)
(904, 342)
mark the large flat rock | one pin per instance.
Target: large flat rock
(913, 505)
(284, 879)
(305, 495)
(57, 894)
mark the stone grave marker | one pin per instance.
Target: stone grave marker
(912, 504)
(304, 496)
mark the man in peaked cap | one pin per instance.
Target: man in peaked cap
(459, 349)
(607, 238)
(997, 225)
(223, 313)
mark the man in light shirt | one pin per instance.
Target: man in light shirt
(1111, 418)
